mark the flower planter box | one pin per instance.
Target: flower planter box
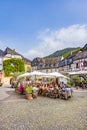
(16, 90)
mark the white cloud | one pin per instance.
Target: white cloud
(34, 53)
(50, 41)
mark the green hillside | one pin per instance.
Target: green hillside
(65, 52)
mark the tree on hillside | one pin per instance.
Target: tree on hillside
(12, 66)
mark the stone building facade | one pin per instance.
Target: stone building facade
(76, 61)
(46, 64)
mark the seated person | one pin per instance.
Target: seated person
(35, 91)
(21, 88)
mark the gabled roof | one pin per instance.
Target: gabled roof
(13, 52)
(1, 53)
(85, 47)
(72, 54)
(10, 51)
(52, 60)
(38, 59)
(81, 55)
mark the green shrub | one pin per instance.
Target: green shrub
(84, 81)
(76, 80)
(12, 66)
(69, 83)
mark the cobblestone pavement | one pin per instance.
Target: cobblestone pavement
(17, 113)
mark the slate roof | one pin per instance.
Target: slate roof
(1, 53)
(72, 54)
(85, 47)
(10, 51)
(52, 60)
(81, 55)
(37, 60)
(13, 52)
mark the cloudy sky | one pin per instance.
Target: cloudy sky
(37, 28)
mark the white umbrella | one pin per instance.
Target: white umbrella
(37, 73)
(57, 74)
(81, 72)
(47, 76)
(23, 75)
(34, 73)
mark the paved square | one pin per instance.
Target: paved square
(17, 113)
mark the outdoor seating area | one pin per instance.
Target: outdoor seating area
(32, 88)
(37, 83)
(51, 90)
